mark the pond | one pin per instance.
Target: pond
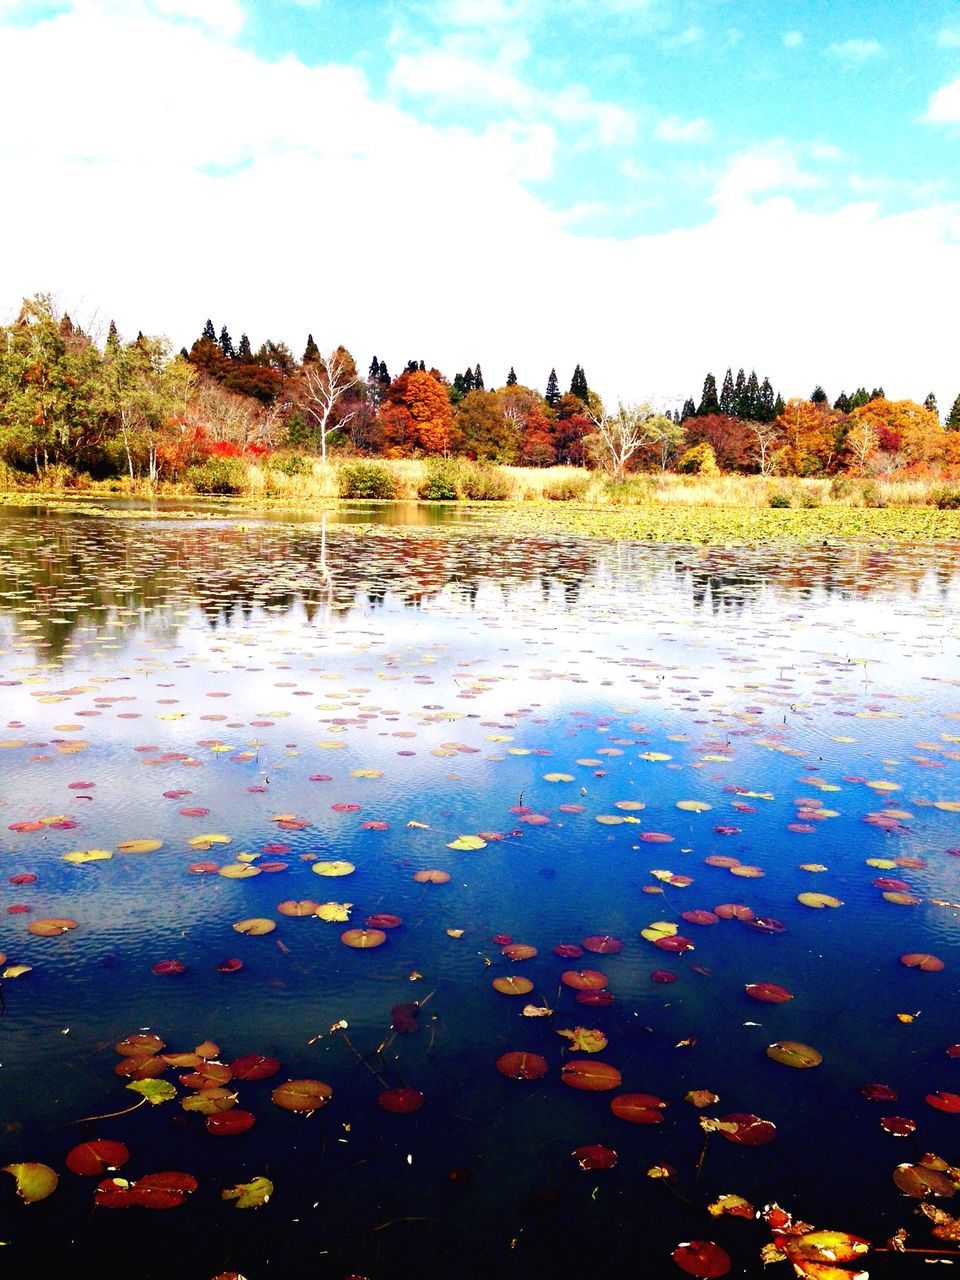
(527, 848)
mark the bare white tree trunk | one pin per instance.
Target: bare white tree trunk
(327, 381)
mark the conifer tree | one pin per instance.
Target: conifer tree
(877, 393)
(765, 410)
(209, 332)
(113, 338)
(311, 351)
(859, 397)
(689, 410)
(185, 353)
(726, 394)
(469, 382)
(751, 397)
(383, 376)
(739, 395)
(931, 404)
(818, 395)
(578, 384)
(478, 379)
(552, 393)
(373, 373)
(511, 378)
(226, 344)
(953, 419)
(709, 401)
(842, 402)
(778, 406)
(244, 351)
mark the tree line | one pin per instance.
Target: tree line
(136, 408)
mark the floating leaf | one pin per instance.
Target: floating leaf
(400, 1102)
(818, 900)
(303, 1096)
(585, 1040)
(511, 986)
(589, 1074)
(702, 1258)
(518, 1065)
(467, 842)
(791, 1053)
(943, 1101)
(34, 1181)
(80, 856)
(256, 926)
(922, 960)
(51, 927)
(334, 912)
(768, 992)
(155, 1091)
(594, 1156)
(95, 1158)
(227, 1124)
(249, 1195)
(150, 846)
(638, 1108)
(337, 867)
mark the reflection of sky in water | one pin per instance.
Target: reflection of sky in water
(465, 668)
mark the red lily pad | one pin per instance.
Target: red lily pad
(748, 1130)
(226, 1124)
(400, 1102)
(949, 1102)
(899, 1126)
(879, 1093)
(768, 992)
(518, 1065)
(702, 1258)
(590, 1075)
(923, 961)
(96, 1158)
(230, 965)
(254, 1066)
(584, 979)
(638, 1108)
(567, 950)
(595, 1156)
(168, 967)
(603, 944)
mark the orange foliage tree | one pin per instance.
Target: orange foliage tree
(812, 438)
(904, 427)
(417, 417)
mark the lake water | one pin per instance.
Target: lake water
(624, 729)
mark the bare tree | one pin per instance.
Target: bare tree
(619, 434)
(327, 380)
(766, 436)
(862, 442)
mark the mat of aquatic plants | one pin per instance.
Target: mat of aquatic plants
(443, 902)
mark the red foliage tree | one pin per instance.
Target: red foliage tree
(417, 417)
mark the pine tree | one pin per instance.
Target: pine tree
(931, 404)
(578, 384)
(709, 402)
(778, 406)
(842, 402)
(860, 397)
(469, 382)
(739, 395)
(953, 421)
(244, 352)
(185, 353)
(383, 377)
(478, 379)
(552, 393)
(765, 410)
(511, 378)
(751, 397)
(818, 395)
(311, 351)
(423, 367)
(113, 338)
(689, 410)
(411, 367)
(209, 332)
(877, 393)
(726, 394)
(457, 390)
(226, 344)
(373, 373)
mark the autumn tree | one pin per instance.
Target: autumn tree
(931, 403)
(861, 443)
(619, 435)
(311, 351)
(145, 392)
(903, 427)
(417, 416)
(953, 418)
(484, 430)
(662, 440)
(512, 377)
(727, 436)
(812, 438)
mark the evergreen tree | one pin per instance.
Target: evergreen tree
(469, 382)
(244, 352)
(859, 397)
(709, 402)
(423, 367)
(113, 338)
(739, 395)
(373, 373)
(311, 351)
(778, 406)
(676, 416)
(818, 395)
(765, 410)
(842, 402)
(552, 393)
(953, 420)
(458, 390)
(511, 378)
(751, 397)
(209, 332)
(478, 379)
(411, 367)
(931, 404)
(689, 410)
(226, 344)
(726, 394)
(185, 353)
(383, 377)
(877, 393)
(578, 384)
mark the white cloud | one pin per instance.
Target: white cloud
(347, 217)
(673, 129)
(854, 53)
(944, 105)
(224, 16)
(793, 39)
(689, 35)
(948, 38)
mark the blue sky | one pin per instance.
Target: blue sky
(652, 188)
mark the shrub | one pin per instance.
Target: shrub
(570, 489)
(810, 499)
(946, 499)
(483, 483)
(291, 464)
(442, 483)
(698, 461)
(841, 487)
(217, 475)
(779, 500)
(366, 480)
(870, 495)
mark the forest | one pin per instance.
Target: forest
(137, 412)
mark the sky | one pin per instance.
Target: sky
(653, 189)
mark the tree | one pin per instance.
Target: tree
(143, 391)
(311, 351)
(209, 333)
(689, 410)
(485, 431)
(818, 395)
(727, 436)
(578, 384)
(326, 381)
(903, 427)
(861, 443)
(511, 377)
(709, 401)
(953, 418)
(244, 352)
(843, 402)
(765, 439)
(478, 379)
(417, 416)
(619, 435)
(726, 394)
(766, 410)
(663, 439)
(812, 438)
(739, 396)
(226, 344)
(552, 393)
(931, 403)
(113, 338)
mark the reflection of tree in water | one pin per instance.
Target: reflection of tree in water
(58, 573)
